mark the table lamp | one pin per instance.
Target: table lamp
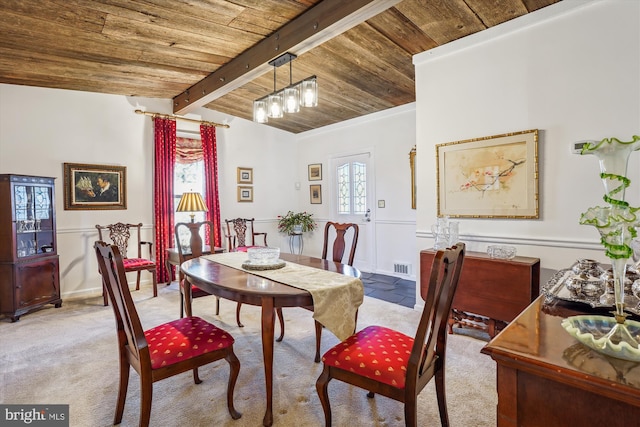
(191, 202)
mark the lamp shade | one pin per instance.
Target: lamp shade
(191, 202)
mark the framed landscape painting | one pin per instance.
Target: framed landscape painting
(491, 177)
(94, 187)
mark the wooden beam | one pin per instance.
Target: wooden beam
(319, 24)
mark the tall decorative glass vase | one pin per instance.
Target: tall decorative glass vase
(616, 224)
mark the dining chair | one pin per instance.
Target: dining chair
(384, 361)
(241, 234)
(194, 249)
(340, 230)
(193, 232)
(164, 350)
(239, 231)
(120, 233)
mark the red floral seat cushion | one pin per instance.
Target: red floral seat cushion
(195, 291)
(136, 262)
(375, 352)
(244, 248)
(184, 339)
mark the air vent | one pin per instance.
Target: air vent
(401, 268)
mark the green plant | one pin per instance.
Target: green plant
(287, 222)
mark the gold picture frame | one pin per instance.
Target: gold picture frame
(245, 175)
(412, 166)
(94, 187)
(245, 194)
(315, 172)
(490, 177)
(315, 194)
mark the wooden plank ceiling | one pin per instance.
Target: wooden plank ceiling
(161, 48)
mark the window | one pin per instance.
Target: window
(188, 175)
(352, 188)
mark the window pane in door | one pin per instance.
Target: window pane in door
(344, 190)
(359, 188)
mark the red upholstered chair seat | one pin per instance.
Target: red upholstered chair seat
(184, 339)
(244, 248)
(375, 352)
(136, 262)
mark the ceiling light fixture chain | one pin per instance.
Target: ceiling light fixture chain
(289, 99)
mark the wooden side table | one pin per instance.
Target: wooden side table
(173, 258)
(545, 377)
(491, 292)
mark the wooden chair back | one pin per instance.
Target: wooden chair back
(339, 243)
(130, 332)
(431, 336)
(195, 249)
(120, 234)
(195, 231)
(241, 234)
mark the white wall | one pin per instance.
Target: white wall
(389, 135)
(571, 70)
(40, 129)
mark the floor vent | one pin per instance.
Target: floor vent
(401, 268)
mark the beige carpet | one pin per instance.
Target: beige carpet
(68, 356)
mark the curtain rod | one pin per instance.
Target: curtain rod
(171, 116)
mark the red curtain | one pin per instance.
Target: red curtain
(165, 157)
(210, 157)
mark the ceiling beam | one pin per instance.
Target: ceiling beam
(322, 22)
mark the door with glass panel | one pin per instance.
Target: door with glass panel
(353, 184)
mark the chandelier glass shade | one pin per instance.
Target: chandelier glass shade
(309, 92)
(289, 99)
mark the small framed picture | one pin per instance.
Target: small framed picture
(245, 194)
(315, 172)
(245, 175)
(315, 192)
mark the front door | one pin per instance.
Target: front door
(352, 203)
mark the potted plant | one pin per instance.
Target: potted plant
(295, 223)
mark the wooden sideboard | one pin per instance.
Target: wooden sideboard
(545, 377)
(491, 292)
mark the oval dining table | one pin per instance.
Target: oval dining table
(240, 285)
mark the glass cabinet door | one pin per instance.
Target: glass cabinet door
(34, 220)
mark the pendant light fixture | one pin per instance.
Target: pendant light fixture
(275, 100)
(288, 100)
(291, 95)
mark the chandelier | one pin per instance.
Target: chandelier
(289, 99)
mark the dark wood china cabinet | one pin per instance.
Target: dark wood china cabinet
(29, 266)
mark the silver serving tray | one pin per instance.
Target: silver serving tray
(556, 288)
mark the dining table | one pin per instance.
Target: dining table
(213, 274)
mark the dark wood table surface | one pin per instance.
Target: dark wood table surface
(238, 285)
(545, 377)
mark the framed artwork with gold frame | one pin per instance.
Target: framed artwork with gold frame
(245, 194)
(315, 194)
(490, 177)
(245, 175)
(94, 187)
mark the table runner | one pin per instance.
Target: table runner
(336, 297)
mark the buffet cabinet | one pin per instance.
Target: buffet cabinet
(29, 266)
(491, 292)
